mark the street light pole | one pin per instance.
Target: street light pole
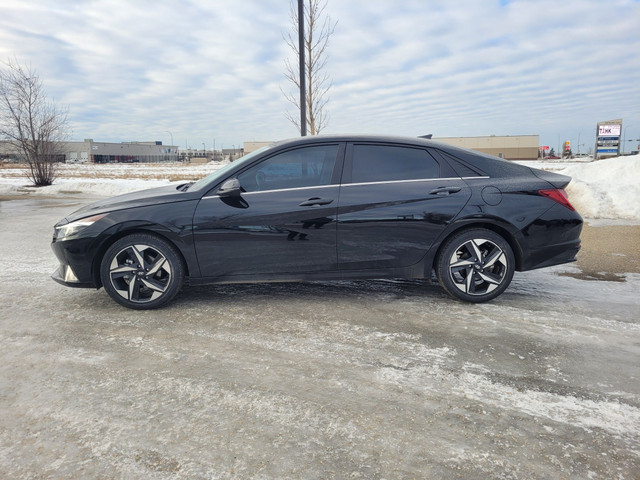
(624, 136)
(579, 142)
(167, 131)
(303, 87)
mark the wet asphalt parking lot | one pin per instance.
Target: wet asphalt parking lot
(366, 379)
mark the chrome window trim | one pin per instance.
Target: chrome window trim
(280, 190)
(440, 179)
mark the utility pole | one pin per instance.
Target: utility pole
(303, 100)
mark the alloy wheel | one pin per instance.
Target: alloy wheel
(140, 273)
(478, 266)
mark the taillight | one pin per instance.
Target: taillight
(558, 195)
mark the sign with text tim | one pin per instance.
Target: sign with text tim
(609, 130)
(608, 138)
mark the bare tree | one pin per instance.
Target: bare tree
(33, 125)
(317, 30)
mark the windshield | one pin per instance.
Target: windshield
(221, 172)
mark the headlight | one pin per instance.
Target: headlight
(72, 228)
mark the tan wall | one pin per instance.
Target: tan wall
(253, 146)
(517, 147)
(199, 160)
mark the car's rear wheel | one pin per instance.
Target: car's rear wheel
(475, 265)
(142, 271)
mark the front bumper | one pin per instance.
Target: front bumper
(64, 275)
(76, 260)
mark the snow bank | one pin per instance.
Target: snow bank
(7, 189)
(607, 188)
(106, 179)
(98, 186)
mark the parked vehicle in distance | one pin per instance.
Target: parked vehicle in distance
(321, 208)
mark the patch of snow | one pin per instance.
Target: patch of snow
(607, 188)
(8, 188)
(616, 418)
(101, 186)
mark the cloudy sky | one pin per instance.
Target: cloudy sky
(213, 70)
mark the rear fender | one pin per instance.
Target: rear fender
(506, 230)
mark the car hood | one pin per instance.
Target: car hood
(153, 196)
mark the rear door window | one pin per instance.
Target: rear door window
(383, 163)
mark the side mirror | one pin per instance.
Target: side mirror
(230, 188)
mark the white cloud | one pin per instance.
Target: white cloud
(213, 70)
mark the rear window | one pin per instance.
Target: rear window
(382, 163)
(461, 168)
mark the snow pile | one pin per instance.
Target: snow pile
(607, 188)
(99, 186)
(7, 188)
(106, 179)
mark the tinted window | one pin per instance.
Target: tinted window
(303, 167)
(461, 169)
(376, 163)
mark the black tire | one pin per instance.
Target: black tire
(475, 265)
(142, 271)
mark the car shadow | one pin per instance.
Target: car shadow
(322, 292)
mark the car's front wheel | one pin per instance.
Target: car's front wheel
(475, 265)
(142, 271)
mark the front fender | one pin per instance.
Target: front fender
(175, 227)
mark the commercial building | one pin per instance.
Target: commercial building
(253, 146)
(89, 151)
(516, 147)
(193, 155)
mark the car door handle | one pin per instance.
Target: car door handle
(445, 190)
(316, 201)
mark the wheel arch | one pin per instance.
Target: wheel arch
(506, 231)
(113, 238)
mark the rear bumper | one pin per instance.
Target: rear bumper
(553, 239)
(553, 255)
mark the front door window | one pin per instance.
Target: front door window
(303, 167)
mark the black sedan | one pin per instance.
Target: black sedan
(321, 208)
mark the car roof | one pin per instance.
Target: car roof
(397, 139)
(488, 164)
(358, 138)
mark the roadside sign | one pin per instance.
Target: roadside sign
(608, 138)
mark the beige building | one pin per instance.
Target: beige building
(516, 147)
(253, 146)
